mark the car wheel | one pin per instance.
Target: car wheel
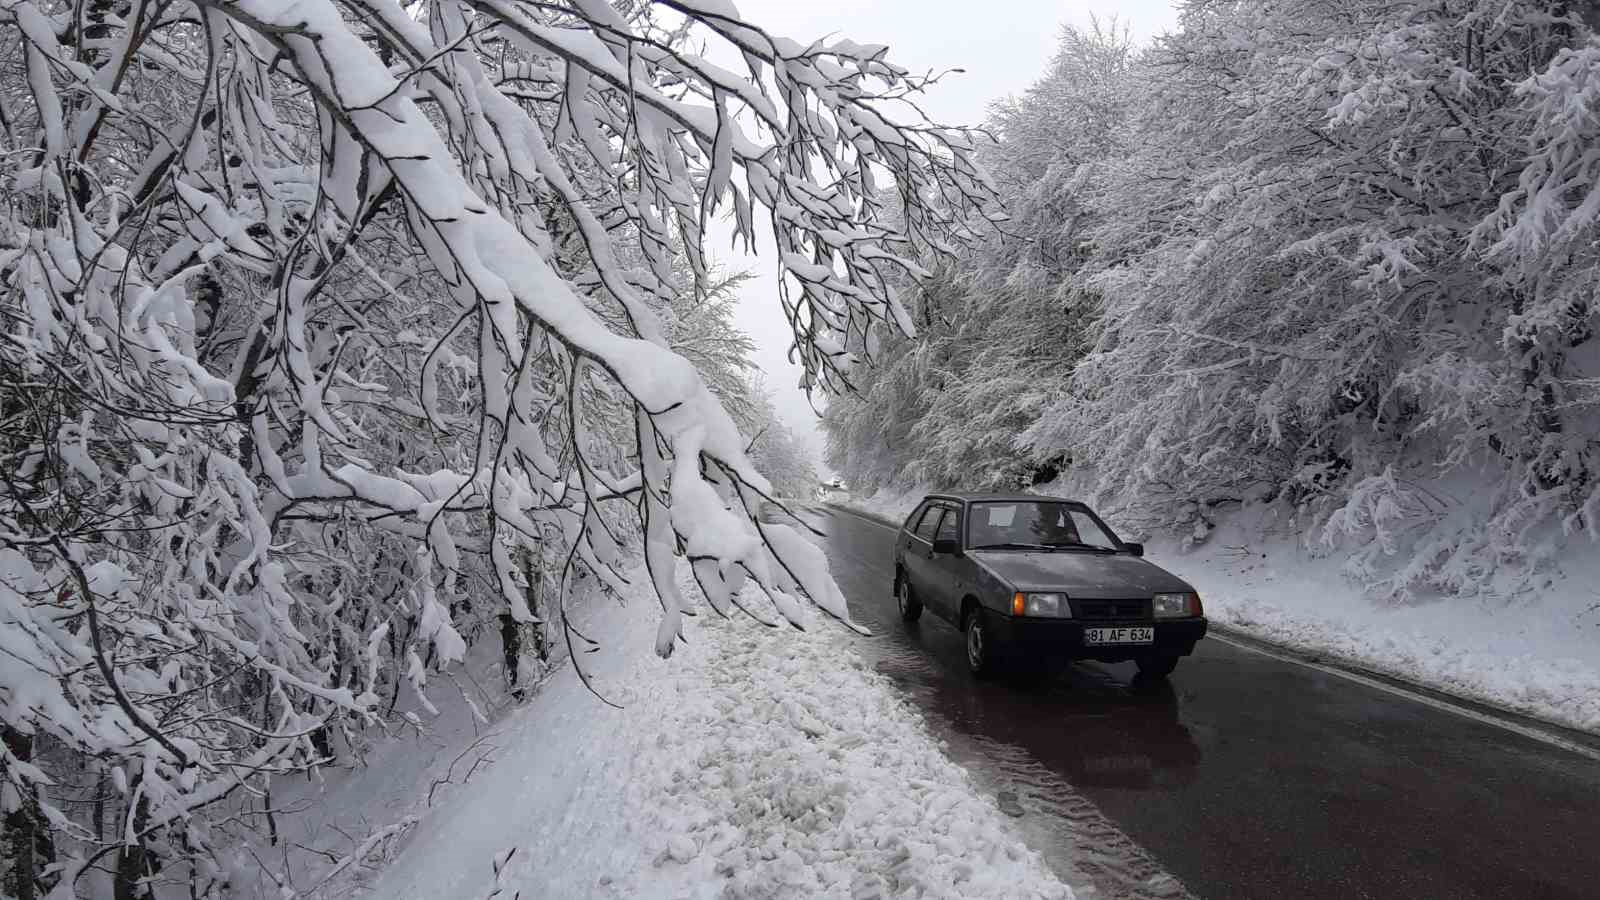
(980, 644)
(1157, 666)
(910, 606)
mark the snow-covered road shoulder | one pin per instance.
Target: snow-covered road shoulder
(793, 770)
(1537, 656)
(754, 763)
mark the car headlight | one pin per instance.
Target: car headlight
(1041, 605)
(1176, 606)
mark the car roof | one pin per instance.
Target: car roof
(968, 497)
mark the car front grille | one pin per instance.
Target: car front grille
(1111, 609)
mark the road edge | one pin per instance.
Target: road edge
(1560, 734)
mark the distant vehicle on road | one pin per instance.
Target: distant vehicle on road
(1028, 575)
(830, 487)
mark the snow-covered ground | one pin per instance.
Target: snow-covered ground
(754, 763)
(1539, 654)
(889, 504)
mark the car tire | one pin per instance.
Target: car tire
(910, 606)
(1157, 666)
(981, 650)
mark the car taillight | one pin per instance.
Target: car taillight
(1195, 607)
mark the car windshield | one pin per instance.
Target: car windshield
(1041, 525)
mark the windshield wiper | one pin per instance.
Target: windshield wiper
(1066, 546)
(1011, 546)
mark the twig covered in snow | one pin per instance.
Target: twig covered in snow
(482, 754)
(372, 842)
(501, 864)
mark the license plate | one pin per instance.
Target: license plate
(1128, 635)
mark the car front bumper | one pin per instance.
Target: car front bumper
(1063, 638)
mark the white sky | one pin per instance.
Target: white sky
(1002, 46)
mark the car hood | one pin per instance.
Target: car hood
(1081, 574)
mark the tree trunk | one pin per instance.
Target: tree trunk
(20, 845)
(133, 863)
(530, 571)
(511, 642)
(102, 789)
(511, 632)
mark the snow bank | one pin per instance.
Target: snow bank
(893, 504)
(794, 770)
(1538, 654)
(755, 763)
(343, 821)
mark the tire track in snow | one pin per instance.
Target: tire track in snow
(784, 766)
(1077, 840)
(1082, 845)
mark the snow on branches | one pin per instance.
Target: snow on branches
(1314, 253)
(324, 317)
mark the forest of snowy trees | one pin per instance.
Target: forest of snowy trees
(340, 335)
(1336, 256)
(335, 331)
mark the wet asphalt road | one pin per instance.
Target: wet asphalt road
(1248, 776)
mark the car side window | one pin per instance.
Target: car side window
(916, 516)
(1090, 531)
(930, 521)
(950, 527)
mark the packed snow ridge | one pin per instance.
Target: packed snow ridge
(756, 763)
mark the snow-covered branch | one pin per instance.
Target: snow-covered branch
(328, 322)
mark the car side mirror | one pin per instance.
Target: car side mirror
(1134, 547)
(947, 546)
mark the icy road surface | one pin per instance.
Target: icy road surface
(1253, 776)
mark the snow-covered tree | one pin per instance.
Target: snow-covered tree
(781, 455)
(321, 316)
(1315, 274)
(999, 330)
(1302, 252)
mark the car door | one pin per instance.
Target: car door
(949, 569)
(917, 559)
(903, 540)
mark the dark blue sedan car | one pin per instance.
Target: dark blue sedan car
(1028, 575)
